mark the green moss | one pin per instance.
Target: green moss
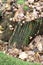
(8, 60)
(20, 1)
(26, 7)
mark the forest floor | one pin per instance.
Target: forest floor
(33, 52)
(29, 11)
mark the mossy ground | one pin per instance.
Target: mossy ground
(8, 60)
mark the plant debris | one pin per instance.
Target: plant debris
(21, 12)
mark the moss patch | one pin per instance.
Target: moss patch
(8, 60)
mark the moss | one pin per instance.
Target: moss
(25, 7)
(20, 1)
(8, 60)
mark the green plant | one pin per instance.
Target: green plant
(23, 33)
